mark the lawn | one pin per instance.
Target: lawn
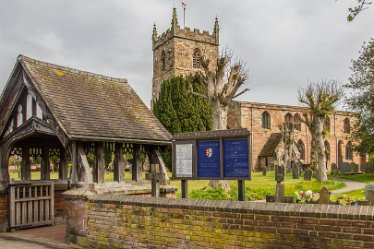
(365, 177)
(257, 188)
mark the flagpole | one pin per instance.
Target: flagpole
(184, 16)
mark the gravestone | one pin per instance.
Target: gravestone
(324, 196)
(264, 170)
(296, 170)
(367, 188)
(370, 197)
(308, 174)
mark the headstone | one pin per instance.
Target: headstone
(308, 174)
(370, 196)
(367, 188)
(279, 173)
(296, 170)
(324, 196)
(288, 166)
(279, 192)
(264, 170)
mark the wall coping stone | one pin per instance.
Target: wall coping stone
(302, 210)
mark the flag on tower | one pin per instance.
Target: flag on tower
(184, 5)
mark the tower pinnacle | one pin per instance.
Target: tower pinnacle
(216, 30)
(174, 21)
(154, 32)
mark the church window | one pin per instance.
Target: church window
(301, 148)
(327, 124)
(348, 151)
(297, 122)
(265, 120)
(347, 126)
(163, 61)
(327, 150)
(288, 118)
(196, 62)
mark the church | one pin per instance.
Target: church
(178, 52)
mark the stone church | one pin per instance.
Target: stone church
(178, 52)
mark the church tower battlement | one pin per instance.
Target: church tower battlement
(178, 52)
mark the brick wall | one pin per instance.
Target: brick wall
(3, 211)
(141, 222)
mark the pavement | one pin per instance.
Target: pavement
(36, 238)
(351, 185)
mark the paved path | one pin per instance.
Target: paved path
(11, 243)
(351, 185)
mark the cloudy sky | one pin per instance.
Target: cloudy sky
(285, 43)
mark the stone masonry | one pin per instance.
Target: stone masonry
(175, 49)
(249, 115)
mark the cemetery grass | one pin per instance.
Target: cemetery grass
(365, 177)
(354, 195)
(256, 189)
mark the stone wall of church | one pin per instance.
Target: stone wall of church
(251, 118)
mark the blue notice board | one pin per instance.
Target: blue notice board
(235, 158)
(208, 159)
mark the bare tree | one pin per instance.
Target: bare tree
(222, 84)
(353, 12)
(321, 99)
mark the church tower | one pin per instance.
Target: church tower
(178, 52)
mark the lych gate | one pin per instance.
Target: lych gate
(49, 111)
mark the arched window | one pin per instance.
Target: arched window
(327, 150)
(265, 120)
(348, 151)
(196, 61)
(297, 122)
(288, 118)
(347, 126)
(163, 61)
(301, 147)
(327, 124)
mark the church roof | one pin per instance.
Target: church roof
(93, 107)
(269, 148)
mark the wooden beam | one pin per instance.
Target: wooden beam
(25, 164)
(63, 165)
(74, 162)
(137, 164)
(44, 165)
(119, 163)
(99, 166)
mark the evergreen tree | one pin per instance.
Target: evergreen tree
(180, 111)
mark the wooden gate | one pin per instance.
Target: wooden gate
(31, 204)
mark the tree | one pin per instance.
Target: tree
(362, 98)
(221, 85)
(180, 111)
(321, 99)
(353, 12)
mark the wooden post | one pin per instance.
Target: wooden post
(136, 164)
(74, 161)
(184, 188)
(63, 166)
(119, 163)
(155, 171)
(25, 164)
(241, 190)
(45, 167)
(99, 168)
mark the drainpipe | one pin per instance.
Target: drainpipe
(336, 143)
(252, 166)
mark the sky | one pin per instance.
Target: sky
(285, 43)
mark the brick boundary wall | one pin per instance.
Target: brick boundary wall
(107, 220)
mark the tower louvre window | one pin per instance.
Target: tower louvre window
(196, 61)
(163, 61)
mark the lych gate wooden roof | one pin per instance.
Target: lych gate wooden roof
(92, 107)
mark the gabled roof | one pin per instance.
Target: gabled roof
(269, 148)
(93, 107)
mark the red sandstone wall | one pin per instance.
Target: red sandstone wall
(3, 212)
